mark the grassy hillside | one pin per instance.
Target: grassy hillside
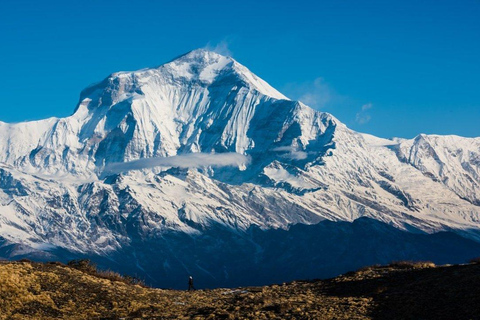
(399, 291)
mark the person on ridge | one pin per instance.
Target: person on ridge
(190, 284)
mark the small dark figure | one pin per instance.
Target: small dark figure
(190, 284)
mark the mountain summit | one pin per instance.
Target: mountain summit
(201, 146)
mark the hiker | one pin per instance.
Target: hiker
(190, 284)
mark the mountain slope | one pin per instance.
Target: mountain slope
(397, 291)
(201, 143)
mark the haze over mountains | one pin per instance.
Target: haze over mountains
(195, 166)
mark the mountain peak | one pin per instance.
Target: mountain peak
(198, 67)
(201, 55)
(205, 65)
(200, 64)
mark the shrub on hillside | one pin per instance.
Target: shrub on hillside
(475, 260)
(83, 265)
(411, 264)
(90, 268)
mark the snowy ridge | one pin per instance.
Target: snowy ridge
(291, 164)
(442, 158)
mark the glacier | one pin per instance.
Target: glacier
(201, 149)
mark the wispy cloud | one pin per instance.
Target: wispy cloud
(320, 95)
(317, 94)
(222, 47)
(291, 153)
(363, 116)
(191, 160)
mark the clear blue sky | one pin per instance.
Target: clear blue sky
(390, 68)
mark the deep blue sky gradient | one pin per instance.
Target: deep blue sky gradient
(414, 66)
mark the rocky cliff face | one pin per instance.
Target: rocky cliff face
(201, 144)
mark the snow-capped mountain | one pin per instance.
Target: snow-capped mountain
(201, 144)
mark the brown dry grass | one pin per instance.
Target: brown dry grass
(56, 291)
